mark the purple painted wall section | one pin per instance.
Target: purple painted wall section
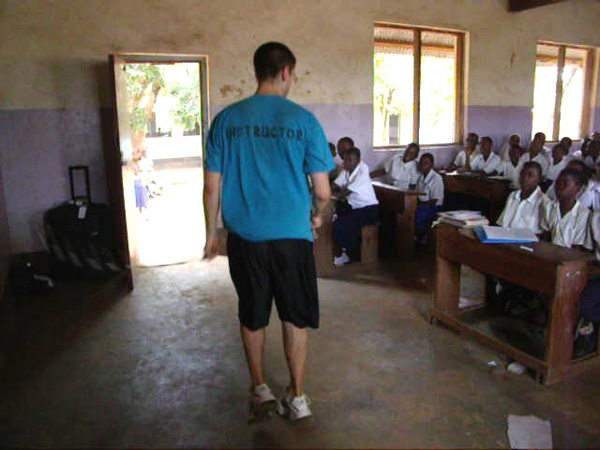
(499, 122)
(597, 119)
(36, 148)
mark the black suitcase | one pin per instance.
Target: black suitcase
(80, 235)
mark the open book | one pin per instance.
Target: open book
(502, 235)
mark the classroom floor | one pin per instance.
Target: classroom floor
(163, 367)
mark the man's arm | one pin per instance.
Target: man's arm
(212, 203)
(321, 196)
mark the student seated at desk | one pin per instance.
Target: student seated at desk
(524, 207)
(403, 169)
(593, 156)
(464, 157)
(344, 144)
(567, 144)
(513, 141)
(586, 336)
(431, 187)
(508, 169)
(353, 184)
(536, 153)
(333, 174)
(487, 161)
(558, 162)
(589, 196)
(565, 221)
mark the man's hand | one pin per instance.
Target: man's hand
(211, 249)
(317, 221)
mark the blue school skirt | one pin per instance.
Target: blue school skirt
(141, 194)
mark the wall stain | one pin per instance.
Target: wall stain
(227, 89)
(512, 58)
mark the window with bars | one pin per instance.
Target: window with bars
(418, 86)
(562, 91)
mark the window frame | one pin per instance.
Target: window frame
(459, 87)
(588, 81)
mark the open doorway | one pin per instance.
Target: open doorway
(162, 122)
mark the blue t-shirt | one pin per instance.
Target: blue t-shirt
(264, 147)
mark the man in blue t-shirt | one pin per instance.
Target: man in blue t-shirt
(259, 154)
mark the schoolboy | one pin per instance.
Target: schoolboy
(536, 153)
(524, 207)
(402, 169)
(486, 162)
(593, 155)
(513, 141)
(431, 186)
(464, 157)
(344, 144)
(589, 196)
(354, 185)
(565, 220)
(558, 162)
(508, 169)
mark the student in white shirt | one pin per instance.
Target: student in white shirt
(565, 220)
(344, 144)
(431, 186)
(464, 157)
(353, 184)
(593, 155)
(508, 169)
(514, 140)
(558, 162)
(338, 161)
(567, 144)
(589, 196)
(402, 169)
(487, 161)
(524, 207)
(536, 153)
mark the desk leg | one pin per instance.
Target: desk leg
(447, 285)
(405, 228)
(563, 316)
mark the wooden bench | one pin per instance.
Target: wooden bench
(402, 206)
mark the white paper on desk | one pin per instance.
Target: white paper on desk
(529, 432)
(509, 234)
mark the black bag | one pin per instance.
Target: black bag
(79, 233)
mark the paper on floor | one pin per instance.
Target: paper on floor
(529, 432)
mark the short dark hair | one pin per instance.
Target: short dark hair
(352, 151)
(534, 165)
(415, 145)
(347, 140)
(487, 138)
(539, 133)
(583, 168)
(271, 58)
(578, 176)
(473, 134)
(428, 156)
(560, 146)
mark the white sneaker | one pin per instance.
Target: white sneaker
(341, 260)
(262, 403)
(294, 408)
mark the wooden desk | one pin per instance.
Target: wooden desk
(561, 273)
(324, 243)
(403, 205)
(495, 191)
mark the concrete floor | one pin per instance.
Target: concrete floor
(163, 367)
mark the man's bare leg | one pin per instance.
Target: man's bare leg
(254, 347)
(295, 342)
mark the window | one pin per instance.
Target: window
(561, 91)
(418, 84)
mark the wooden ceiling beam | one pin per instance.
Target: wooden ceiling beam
(522, 5)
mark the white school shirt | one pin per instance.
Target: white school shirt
(359, 184)
(589, 161)
(540, 158)
(461, 158)
(590, 195)
(570, 229)
(489, 165)
(554, 170)
(508, 171)
(432, 187)
(403, 174)
(337, 160)
(504, 152)
(527, 213)
(595, 230)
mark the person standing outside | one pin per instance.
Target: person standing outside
(260, 153)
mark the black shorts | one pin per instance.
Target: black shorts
(282, 269)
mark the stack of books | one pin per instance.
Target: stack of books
(501, 235)
(463, 218)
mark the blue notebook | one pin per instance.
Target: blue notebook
(501, 235)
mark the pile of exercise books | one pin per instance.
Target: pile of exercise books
(502, 235)
(463, 218)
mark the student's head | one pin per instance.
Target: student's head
(596, 136)
(411, 152)
(538, 141)
(514, 153)
(558, 153)
(486, 145)
(351, 159)
(579, 166)
(344, 144)
(472, 140)
(568, 184)
(594, 149)
(530, 176)
(332, 149)
(274, 63)
(426, 163)
(515, 139)
(566, 142)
